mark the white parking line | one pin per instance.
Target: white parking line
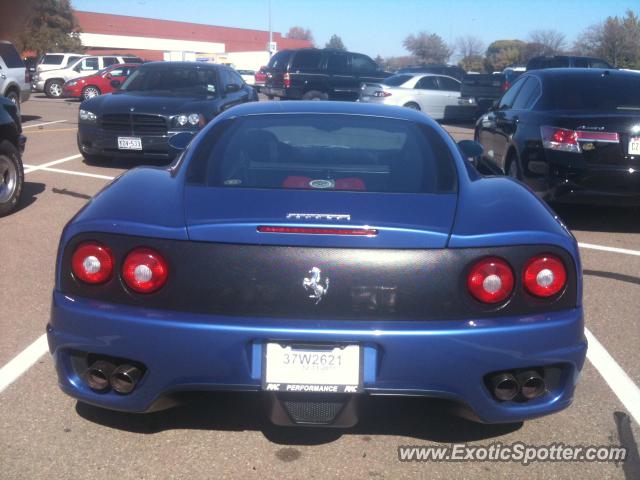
(52, 163)
(22, 362)
(617, 379)
(43, 124)
(609, 249)
(81, 174)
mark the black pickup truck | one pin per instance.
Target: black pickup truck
(11, 147)
(479, 91)
(319, 74)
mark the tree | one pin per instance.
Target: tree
(547, 42)
(380, 62)
(470, 48)
(49, 25)
(335, 42)
(502, 53)
(428, 47)
(299, 33)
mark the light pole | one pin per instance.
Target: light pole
(270, 32)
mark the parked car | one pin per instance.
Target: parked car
(437, 68)
(51, 82)
(88, 87)
(14, 78)
(566, 61)
(480, 91)
(435, 95)
(572, 135)
(248, 76)
(12, 144)
(260, 78)
(318, 253)
(319, 74)
(56, 61)
(157, 101)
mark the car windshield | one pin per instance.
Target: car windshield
(397, 80)
(325, 152)
(173, 78)
(604, 92)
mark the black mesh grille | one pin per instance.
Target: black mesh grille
(134, 124)
(316, 411)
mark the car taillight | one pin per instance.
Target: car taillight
(562, 139)
(27, 76)
(506, 85)
(144, 270)
(287, 80)
(544, 275)
(491, 280)
(362, 232)
(92, 263)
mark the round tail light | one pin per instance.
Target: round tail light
(144, 270)
(92, 263)
(490, 280)
(544, 275)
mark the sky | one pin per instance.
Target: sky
(379, 26)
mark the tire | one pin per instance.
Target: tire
(15, 98)
(53, 88)
(315, 95)
(412, 106)
(11, 177)
(90, 91)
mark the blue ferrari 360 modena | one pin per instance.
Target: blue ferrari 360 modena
(318, 253)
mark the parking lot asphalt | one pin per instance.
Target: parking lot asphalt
(45, 434)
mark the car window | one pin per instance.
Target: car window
(427, 83)
(397, 80)
(507, 99)
(279, 61)
(172, 78)
(52, 59)
(89, 63)
(118, 72)
(362, 64)
(10, 56)
(448, 84)
(306, 59)
(235, 78)
(72, 60)
(595, 63)
(225, 77)
(324, 152)
(338, 63)
(131, 60)
(603, 93)
(580, 63)
(528, 93)
(107, 61)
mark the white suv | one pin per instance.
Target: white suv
(56, 61)
(51, 82)
(14, 83)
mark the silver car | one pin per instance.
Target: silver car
(433, 94)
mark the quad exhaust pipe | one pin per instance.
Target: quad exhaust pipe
(102, 375)
(506, 386)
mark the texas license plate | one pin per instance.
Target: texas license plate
(634, 146)
(312, 369)
(129, 143)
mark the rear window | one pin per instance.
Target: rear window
(594, 92)
(397, 80)
(131, 59)
(10, 56)
(52, 59)
(278, 62)
(324, 152)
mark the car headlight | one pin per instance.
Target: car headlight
(87, 116)
(188, 119)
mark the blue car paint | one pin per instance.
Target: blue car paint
(445, 359)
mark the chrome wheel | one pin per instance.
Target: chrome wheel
(55, 89)
(90, 92)
(8, 179)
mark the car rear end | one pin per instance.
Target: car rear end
(390, 91)
(479, 91)
(260, 78)
(278, 78)
(300, 273)
(591, 141)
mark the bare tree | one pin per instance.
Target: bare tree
(469, 46)
(428, 47)
(300, 33)
(551, 42)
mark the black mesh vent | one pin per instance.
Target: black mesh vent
(316, 411)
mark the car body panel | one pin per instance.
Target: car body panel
(102, 80)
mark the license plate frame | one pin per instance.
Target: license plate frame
(313, 378)
(633, 148)
(129, 143)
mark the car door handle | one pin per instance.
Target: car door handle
(3, 76)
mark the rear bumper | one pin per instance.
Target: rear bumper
(194, 352)
(93, 140)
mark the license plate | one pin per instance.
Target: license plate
(129, 143)
(312, 369)
(634, 146)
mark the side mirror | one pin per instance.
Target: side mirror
(180, 140)
(231, 88)
(470, 149)
(116, 84)
(108, 76)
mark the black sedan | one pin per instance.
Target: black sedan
(157, 101)
(572, 135)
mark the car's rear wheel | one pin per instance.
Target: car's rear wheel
(15, 98)
(412, 106)
(11, 177)
(53, 88)
(90, 91)
(315, 95)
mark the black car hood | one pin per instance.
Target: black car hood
(146, 102)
